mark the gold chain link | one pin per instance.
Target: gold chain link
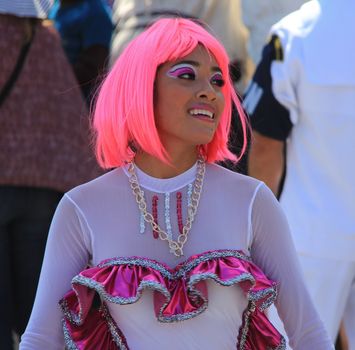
(176, 247)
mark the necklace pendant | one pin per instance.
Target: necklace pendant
(176, 248)
(179, 252)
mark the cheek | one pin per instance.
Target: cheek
(221, 103)
(170, 102)
(164, 110)
(159, 104)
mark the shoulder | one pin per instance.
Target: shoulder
(228, 187)
(298, 23)
(230, 181)
(101, 188)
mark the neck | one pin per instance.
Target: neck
(157, 168)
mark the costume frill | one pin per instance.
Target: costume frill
(180, 294)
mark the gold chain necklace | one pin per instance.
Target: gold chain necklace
(176, 247)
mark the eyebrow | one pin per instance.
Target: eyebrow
(197, 64)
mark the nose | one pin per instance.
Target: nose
(206, 91)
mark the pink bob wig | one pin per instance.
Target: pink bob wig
(124, 111)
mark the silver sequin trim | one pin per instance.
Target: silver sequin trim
(69, 343)
(99, 288)
(181, 270)
(141, 220)
(245, 329)
(189, 194)
(282, 345)
(72, 317)
(204, 276)
(181, 317)
(136, 261)
(192, 263)
(167, 215)
(270, 293)
(245, 325)
(114, 330)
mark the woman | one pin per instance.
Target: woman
(178, 247)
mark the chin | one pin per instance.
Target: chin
(204, 140)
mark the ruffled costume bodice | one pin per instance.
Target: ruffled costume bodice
(179, 294)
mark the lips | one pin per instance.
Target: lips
(202, 111)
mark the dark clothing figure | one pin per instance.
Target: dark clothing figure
(85, 28)
(44, 151)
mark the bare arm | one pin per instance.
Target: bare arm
(266, 160)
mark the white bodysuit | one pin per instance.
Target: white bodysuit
(101, 220)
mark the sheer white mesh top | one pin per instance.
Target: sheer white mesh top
(101, 220)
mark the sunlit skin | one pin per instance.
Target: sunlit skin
(188, 102)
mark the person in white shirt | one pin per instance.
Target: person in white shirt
(258, 17)
(301, 101)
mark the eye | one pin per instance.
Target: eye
(182, 72)
(186, 73)
(217, 79)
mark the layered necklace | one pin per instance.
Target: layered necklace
(176, 246)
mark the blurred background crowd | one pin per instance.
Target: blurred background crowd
(53, 56)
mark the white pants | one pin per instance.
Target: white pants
(331, 285)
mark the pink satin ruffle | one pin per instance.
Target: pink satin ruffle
(180, 294)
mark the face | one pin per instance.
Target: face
(188, 100)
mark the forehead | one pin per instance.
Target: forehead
(200, 56)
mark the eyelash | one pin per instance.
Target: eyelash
(219, 81)
(190, 75)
